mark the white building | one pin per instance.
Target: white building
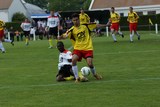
(9, 7)
(142, 7)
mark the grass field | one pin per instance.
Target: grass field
(131, 75)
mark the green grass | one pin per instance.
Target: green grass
(131, 75)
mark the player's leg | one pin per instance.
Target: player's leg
(10, 41)
(138, 35)
(1, 39)
(26, 33)
(2, 47)
(93, 70)
(131, 32)
(135, 30)
(75, 67)
(55, 34)
(50, 38)
(113, 35)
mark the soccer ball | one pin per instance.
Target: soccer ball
(85, 71)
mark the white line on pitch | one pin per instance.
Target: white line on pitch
(64, 83)
(119, 52)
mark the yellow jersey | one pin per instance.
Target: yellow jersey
(84, 18)
(115, 18)
(81, 36)
(133, 17)
(2, 24)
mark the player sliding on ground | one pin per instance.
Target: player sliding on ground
(65, 65)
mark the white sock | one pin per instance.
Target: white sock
(7, 40)
(119, 32)
(75, 71)
(137, 34)
(1, 46)
(93, 70)
(114, 37)
(131, 37)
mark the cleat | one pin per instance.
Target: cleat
(139, 37)
(27, 44)
(77, 80)
(3, 51)
(12, 43)
(83, 79)
(50, 47)
(98, 77)
(122, 36)
(131, 41)
(115, 41)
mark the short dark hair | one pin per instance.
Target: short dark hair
(112, 7)
(60, 44)
(131, 8)
(75, 15)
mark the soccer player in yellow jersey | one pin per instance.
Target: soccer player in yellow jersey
(2, 25)
(114, 21)
(82, 43)
(84, 18)
(133, 21)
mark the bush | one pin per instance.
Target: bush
(15, 25)
(18, 17)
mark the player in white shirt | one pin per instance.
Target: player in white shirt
(65, 64)
(53, 24)
(26, 27)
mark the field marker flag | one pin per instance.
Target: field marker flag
(150, 21)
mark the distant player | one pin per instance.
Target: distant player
(65, 64)
(133, 21)
(2, 25)
(53, 24)
(84, 18)
(26, 27)
(114, 21)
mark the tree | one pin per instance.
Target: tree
(68, 5)
(18, 17)
(41, 3)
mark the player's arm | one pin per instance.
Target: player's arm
(21, 25)
(136, 16)
(109, 22)
(65, 35)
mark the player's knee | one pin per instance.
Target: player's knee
(59, 78)
(90, 65)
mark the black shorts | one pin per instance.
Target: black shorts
(53, 31)
(26, 33)
(65, 71)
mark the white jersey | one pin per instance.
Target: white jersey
(63, 58)
(53, 21)
(26, 26)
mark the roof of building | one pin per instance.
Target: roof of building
(100, 4)
(5, 4)
(33, 9)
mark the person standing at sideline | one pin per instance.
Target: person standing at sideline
(84, 18)
(82, 43)
(53, 25)
(114, 22)
(133, 21)
(26, 27)
(2, 25)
